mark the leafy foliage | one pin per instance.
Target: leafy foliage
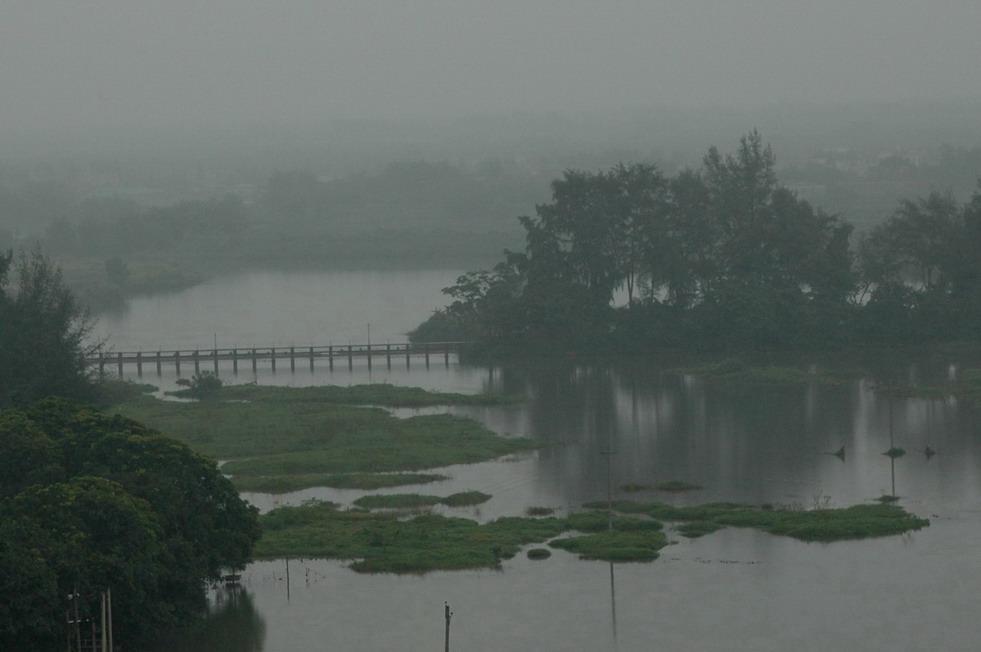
(722, 257)
(94, 501)
(200, 386)
(43, 333)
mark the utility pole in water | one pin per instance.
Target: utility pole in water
(449, 614)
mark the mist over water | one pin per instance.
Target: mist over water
(267, 308)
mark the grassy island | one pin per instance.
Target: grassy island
(384, 542)
(284, 439)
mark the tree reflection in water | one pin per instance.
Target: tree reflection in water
(232, 624)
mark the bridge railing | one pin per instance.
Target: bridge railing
(332, 353)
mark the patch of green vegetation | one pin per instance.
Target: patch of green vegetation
(278, 484)
(411, 501)
(380, 542)
(113, 391)
(887, 498)
(375, 394)
(599, 521)
(539, 553)
(856, 522)
(466, 499)
(397, 501)
(614, 546)
(539, 511)
(267, 438)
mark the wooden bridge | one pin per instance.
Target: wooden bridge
(209, 359)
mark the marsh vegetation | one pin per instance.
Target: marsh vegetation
(289, 438)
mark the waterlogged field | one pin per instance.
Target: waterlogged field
(291, 438)
(389, 542)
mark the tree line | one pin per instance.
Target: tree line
(720, 257)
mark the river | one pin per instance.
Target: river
(731, 590)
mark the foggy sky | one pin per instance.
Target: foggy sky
(101, 64)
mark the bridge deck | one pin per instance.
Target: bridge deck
(252, 355)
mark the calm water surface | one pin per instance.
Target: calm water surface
(732, 590)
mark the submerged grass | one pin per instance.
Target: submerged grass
(272, 441)
(410, 501)
(614, 546)
(278, 484)
(856, 522)
(382, 542)
(381, 394)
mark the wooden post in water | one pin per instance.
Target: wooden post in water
(235, 361)
(272, 356)
(446, 355)
(369, 356)
(330, 357)
(255, 360)
(449, 614)
(159, 370)
(139, 363)
(292, 359)
(388, 355)
(177, 362)
(311, 359)
(214, 355)
(408, 350)
(426, 349)
(197, 362)
(350, 358)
